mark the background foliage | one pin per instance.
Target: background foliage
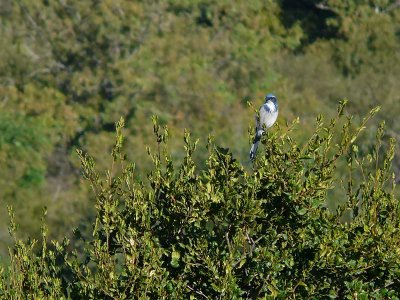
(69, 69)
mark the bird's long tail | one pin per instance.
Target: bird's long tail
(253, 149)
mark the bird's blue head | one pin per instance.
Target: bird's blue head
(270, 97)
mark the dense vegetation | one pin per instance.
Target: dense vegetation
(70, 69)
(224, 233)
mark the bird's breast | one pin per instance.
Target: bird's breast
(268, 116)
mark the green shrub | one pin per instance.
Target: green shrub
(228, 233)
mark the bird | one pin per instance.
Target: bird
(265, 119)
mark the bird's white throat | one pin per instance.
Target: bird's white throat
(271, 106)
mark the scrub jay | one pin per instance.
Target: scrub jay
(267, 117)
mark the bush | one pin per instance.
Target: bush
(226, 232)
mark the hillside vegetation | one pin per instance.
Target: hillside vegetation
(70, 69)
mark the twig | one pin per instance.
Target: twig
(197, 292)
